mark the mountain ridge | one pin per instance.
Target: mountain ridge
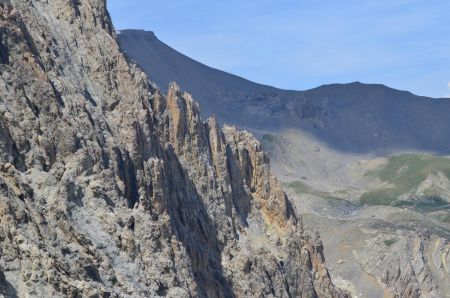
(153, 36)
(367, 113)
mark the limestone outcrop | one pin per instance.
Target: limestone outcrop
(110, 188)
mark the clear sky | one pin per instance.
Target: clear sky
(301, 44)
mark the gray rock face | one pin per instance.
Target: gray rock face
(110, 188)
(354, 118)
(406, 270)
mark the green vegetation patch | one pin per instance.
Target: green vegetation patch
(446, 218)
(405, 172)
(389, 242)
(429, 204)
(300, 187)
(379, 197)
(443, 216)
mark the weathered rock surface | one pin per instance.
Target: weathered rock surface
(110, 188)
(404, 269)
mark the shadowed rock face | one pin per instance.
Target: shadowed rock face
(356, 118)
(110, 188)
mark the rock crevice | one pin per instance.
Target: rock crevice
(110, 188)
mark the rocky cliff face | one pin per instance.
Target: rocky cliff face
(404, 270)
(110, 188)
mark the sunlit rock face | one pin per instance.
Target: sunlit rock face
(110, 188)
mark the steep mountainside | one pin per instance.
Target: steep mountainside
(356, 118)
(109, 188)
(351, 158)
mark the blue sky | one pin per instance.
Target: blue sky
(301, 44)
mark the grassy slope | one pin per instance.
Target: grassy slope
(406, 172)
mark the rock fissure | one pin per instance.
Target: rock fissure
(119, 190)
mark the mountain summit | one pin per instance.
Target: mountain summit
(355, 117)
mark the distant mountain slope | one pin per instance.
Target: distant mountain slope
(356, 117)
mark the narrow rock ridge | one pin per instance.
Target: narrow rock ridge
(110, 188)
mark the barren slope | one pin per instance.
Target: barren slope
(355, 118)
